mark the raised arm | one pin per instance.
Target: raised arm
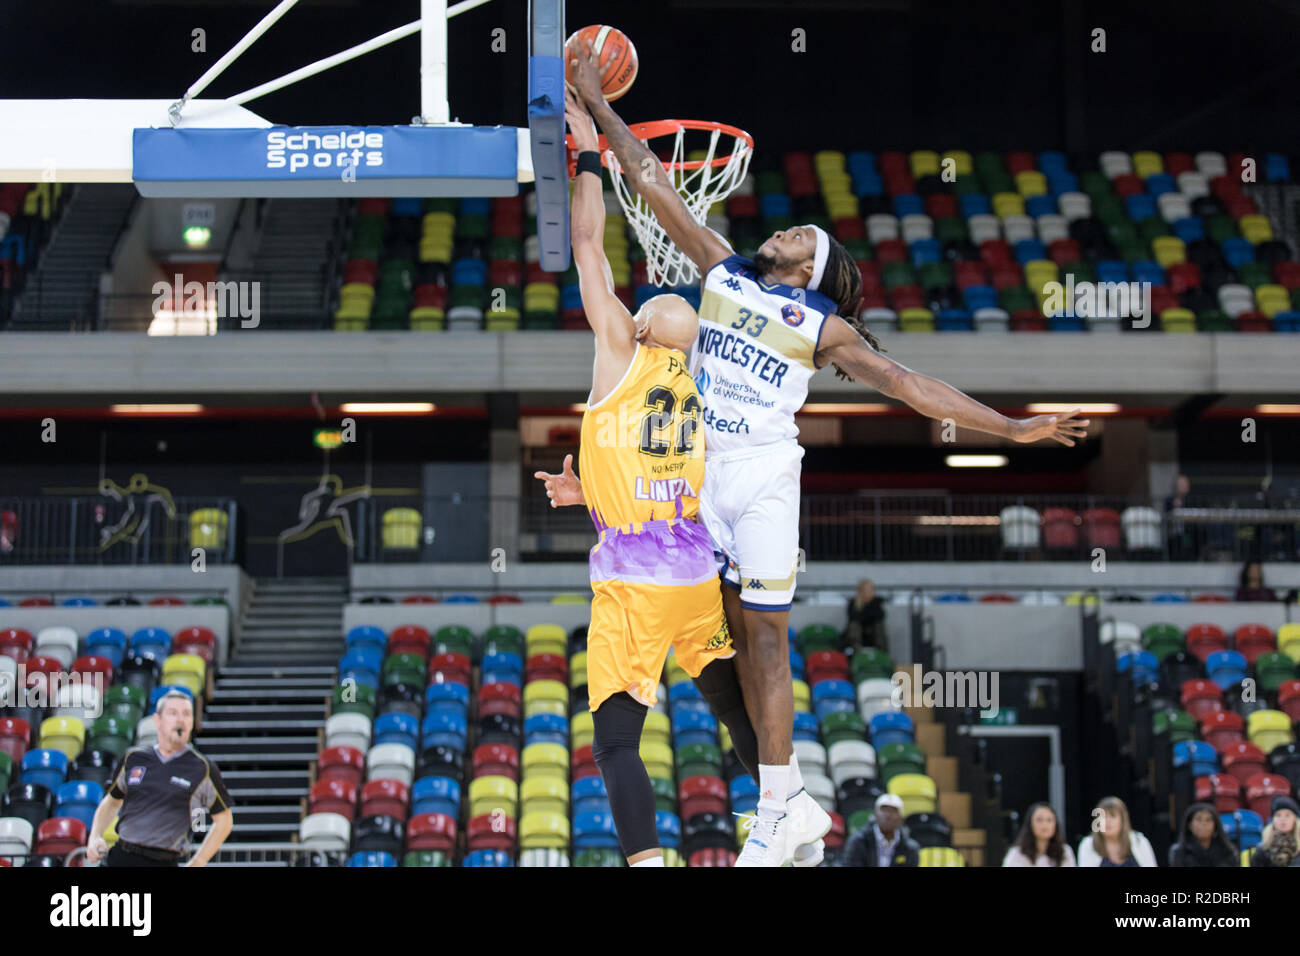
(842, 345)
(646, 174)
(606, 314)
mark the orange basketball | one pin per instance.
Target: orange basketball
(615, 52)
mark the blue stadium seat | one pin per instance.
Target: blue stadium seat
(1199, 755)
(1112, 270)
(461, 599)
(111, 643)
(1040, 205)
(475, 206)
(436, 795)
(371, 858)
(1238, 251)
(926, 250)
(1140, 206)
(396, 728)
(744, 794)
(806, 726)
(45, 766)
(366, 636)
(1189, 228)
(796, 662)
(443, 730)
(488, 858)
(908, 204)
(693, 727)
(446, 699)
(975, 204)
(669, 828)
(1027, 250)
(546, 729)
(79, 799)
(1145, 270)
(1226, 668)
(1160, 183)
(594, 830)
(361, 665)
(588, 795)
(891, 727)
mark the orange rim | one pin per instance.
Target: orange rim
(657, 128)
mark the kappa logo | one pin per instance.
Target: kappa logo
(755, 585)
(792, 314)
(135, 776)
(732, 283)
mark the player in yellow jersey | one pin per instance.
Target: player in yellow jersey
(653, 573)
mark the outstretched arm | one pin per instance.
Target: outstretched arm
(646, 174)
(564, 488)
(842, 345)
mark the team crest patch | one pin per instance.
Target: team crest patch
(135, 776)
(792, 314)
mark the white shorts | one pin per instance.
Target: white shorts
(750, 505)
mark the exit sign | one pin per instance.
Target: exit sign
(1006, 715)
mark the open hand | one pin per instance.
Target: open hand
(580, 122)
(584, 70)
(1062, 427)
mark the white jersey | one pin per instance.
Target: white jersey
(754, 356)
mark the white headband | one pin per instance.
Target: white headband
(819, 257)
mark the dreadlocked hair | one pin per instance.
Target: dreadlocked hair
(842, 283)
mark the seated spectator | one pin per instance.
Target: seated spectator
(1040, 842)
(1117, 843)
(884, 842)
(1203, 841)
(866, 618)
(1252, 587)
(1277, 844)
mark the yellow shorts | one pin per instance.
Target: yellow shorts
(634, 622)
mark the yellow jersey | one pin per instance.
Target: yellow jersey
(642, 453)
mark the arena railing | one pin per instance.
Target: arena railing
(142, 528)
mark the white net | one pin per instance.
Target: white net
(700, 186)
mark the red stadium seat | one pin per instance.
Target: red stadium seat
(742, 207)
(1210, 599)
(1221, 789)
(997, 599)
(1101, 527)
(1064, 251)
(1222, 728)
(496, 760)
(333, 795)
(1252, 640)
(361, 271)
(997, 252)
(1243, 760)
(385, 797)
(90, 664)
(1200, 698)
(16, 639)
(453, 668)
(1060, 529)
(969, 273)
(849, 227)
(1027, 320)
(1204, 639)
(941, 206)
(1183, 276)
(1019, 162)
(1162, 297)
(342, 763)
(1178, 163)
(36, 602)
(499, 698)
(409, 639)
(547, 667)
(167, 600)
(1287, 274)
(431, 831)
(835, 837)
(714, 856)
(1127, 184)
(491, 831)
(702, 794)
(892, 250)
(194, 636)
(419, 599)
(583, 764)
(1249, 321)
(505, 599)
(826, 665)
(1007, 276)
(15, 738)
(432, 296)
(1262, 788)
(1288, 699)
(60, 835)
(869, 269)
(41, 669)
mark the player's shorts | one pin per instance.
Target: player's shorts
(750, 504)
(655, 586)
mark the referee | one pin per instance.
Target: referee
(157, 791)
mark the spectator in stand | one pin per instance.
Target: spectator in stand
(866, 618)
(1116, 843)
(1182, 536)
(1040, 842)
(885, 841)
(1251, 587)
(1203, 841)
(1278, 842)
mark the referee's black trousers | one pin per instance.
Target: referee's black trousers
(117, 856)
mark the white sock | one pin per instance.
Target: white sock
(772, 781)
(651, 861)
(795, 782)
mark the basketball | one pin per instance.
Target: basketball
(618, 63)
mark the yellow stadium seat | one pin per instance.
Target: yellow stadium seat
(571, 599)
(924, 162)
(492, 793)
(802, 695)
(578, 669)
(1074, 598)
(1030, 182)
(962, 164)
(672, 857)
(1147, 163)
(435, 253)
(357, 290)
(657, 728)
(582, 730)
(351, 323)
(1038, 271)
(544, 793)
(918, 791)
(544, 633)
(185, 670)
(1267, 729)
(546, 759)
(557, 707)
(401, 529)
(826, 159)
(439, 221)
(428, 318)
(658, 759)
(110, 835)
(940, 856)
(208, 528)
(64, 734)
(1168, 250)
(1178, 320)
(546, 831)
(1256, 228)
(545, 690)
(1008, 204)
(1288, 640)
(916, 320)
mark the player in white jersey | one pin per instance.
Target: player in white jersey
(766, 326)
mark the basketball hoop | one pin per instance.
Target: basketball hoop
(700, 182)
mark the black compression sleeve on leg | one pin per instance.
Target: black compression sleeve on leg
(617, 749)
(720, 686)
